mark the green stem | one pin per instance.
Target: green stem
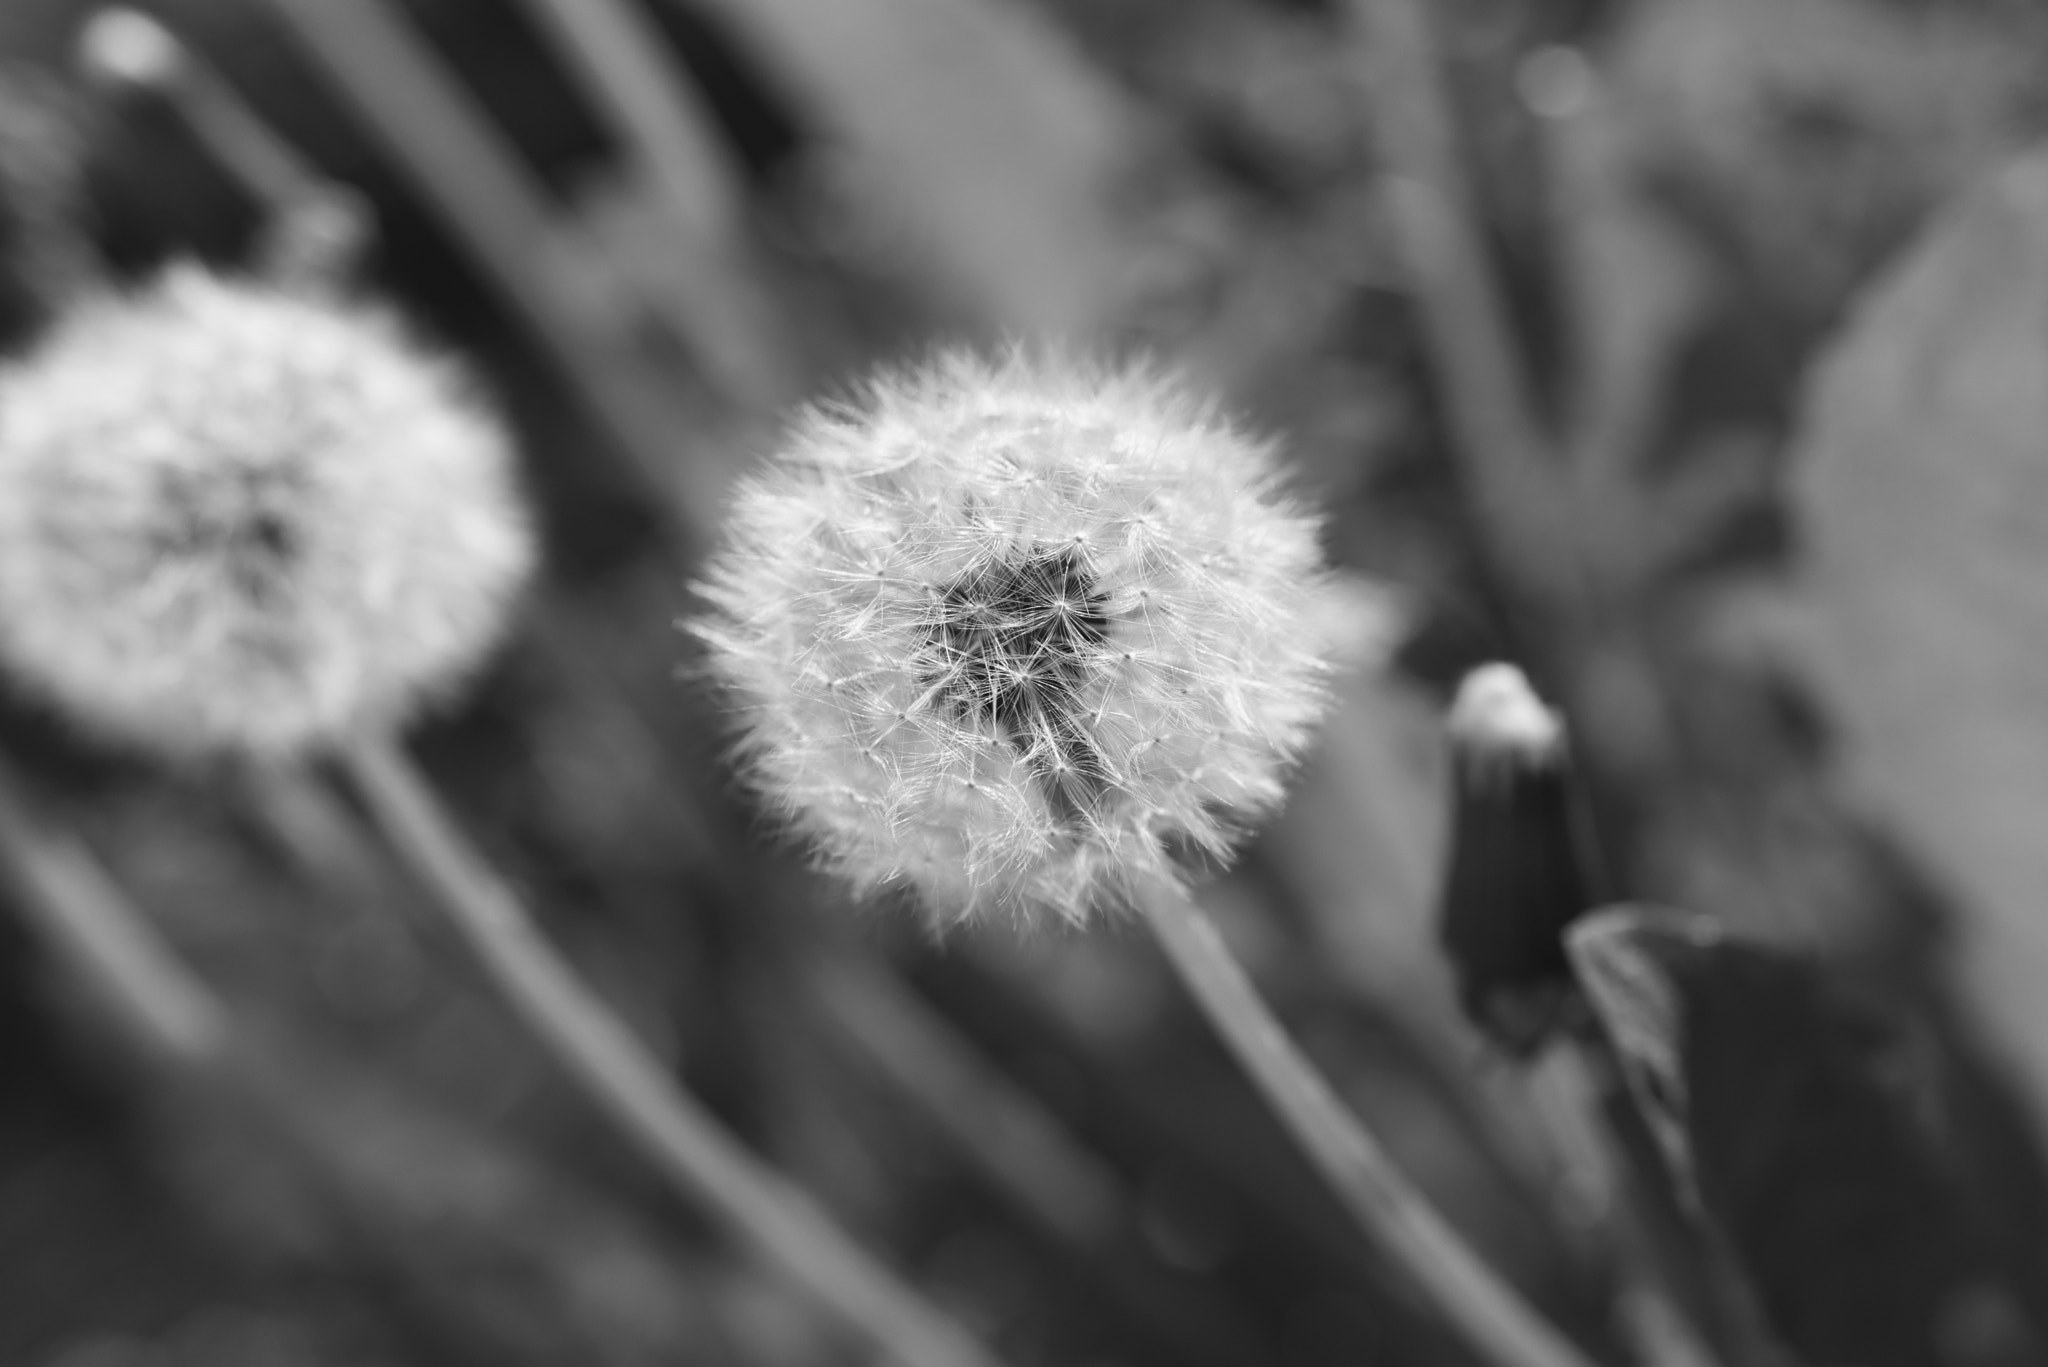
(632, 1086)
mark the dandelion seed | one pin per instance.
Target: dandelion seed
(233, 517)
(1086, 588)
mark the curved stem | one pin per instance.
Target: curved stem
(684, 1142)
(1489, 1313)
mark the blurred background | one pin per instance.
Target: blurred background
(651, 226)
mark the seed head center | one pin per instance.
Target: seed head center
(1014, 641)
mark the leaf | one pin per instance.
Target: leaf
(1921, 485)
(1728, 173)
(1798, 1120)
(1817, 130)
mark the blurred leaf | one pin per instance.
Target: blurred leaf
(1922, 482)
(1726, 174)
(996, 147)
(1361, 844)
(1818, 130)
(1635, 284)
(1800, 1121)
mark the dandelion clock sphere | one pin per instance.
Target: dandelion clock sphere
(236, 517)
(1005, 631)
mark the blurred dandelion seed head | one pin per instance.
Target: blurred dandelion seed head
(1004, 631)
(234, 517)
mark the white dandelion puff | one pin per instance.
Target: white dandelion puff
(234, 517)
(1006, 631)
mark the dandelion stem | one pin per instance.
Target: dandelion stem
(688, 1146)
(1478, 1304)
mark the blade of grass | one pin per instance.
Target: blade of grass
(563, 289)
(701, 278)
(1513, 473)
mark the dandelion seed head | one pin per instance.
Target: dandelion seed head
(1004, 631)
(232, 517)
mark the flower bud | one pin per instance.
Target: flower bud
(233, 517)
(1006, 632)
(1514, 880)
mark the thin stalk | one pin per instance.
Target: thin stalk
(318, 228)
(616, 49)
(82, 914)
(1485, 1310)
(1513, 472)
(546, 266)
(699, 276)
(635, 1090)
